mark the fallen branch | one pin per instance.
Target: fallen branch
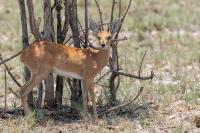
(124, 104)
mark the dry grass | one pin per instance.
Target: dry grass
(169, 30)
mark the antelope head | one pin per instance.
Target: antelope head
(105, 37)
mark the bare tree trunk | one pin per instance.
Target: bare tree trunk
(25, 43)
(76, 97)
(61, 33)
(60, 39)
(112, 85)
(86, 23)
(115, 66)
(39, 98)
(33, 26)
(48, 35)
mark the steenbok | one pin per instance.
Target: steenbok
(43, 58)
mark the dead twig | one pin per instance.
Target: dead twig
(124, 104)
(137, 77)
(104, 86)
(122, 19)
(112, 11)
(5, 79)
(10, 58)
(17, 95)
(120, 8)
(102, 76)
(33, 26)
(139, 72)
(100, 15)
(119, 39)
(127, 9)
(11, 75)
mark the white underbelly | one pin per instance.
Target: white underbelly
(66, 74)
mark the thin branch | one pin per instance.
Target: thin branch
(118, 82)
(5, 79)
(139, 72)
(137, 77)
(68, 39)
(14, 92)
(112, 11)
(100, 15)
(10, 58)
(67, 17)
(129, 4)
(90, 44)
(33, 26)
(104, 86)
(124, 104)
(120, 8)
(102, 77)
(122, 20)
(13, 78)
(119, 39)
(81, 28)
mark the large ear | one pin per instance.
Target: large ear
(93, 26)
(115, 26)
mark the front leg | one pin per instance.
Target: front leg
(92, 96)
(84, 94)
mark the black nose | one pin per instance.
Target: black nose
(103, 45)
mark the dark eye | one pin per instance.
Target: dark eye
(109, 37)
(98, 37)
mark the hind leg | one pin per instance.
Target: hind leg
(36, 78)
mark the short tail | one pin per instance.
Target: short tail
(10, 58)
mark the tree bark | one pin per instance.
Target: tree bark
(33, 26)
(61, 33)
(112, 85)
(86, 23)
(40, 93)
(76, 96)
(115, 66)
(60, 39)
(48, 35)
(25, 44)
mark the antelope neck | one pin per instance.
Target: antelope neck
(103, 57)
